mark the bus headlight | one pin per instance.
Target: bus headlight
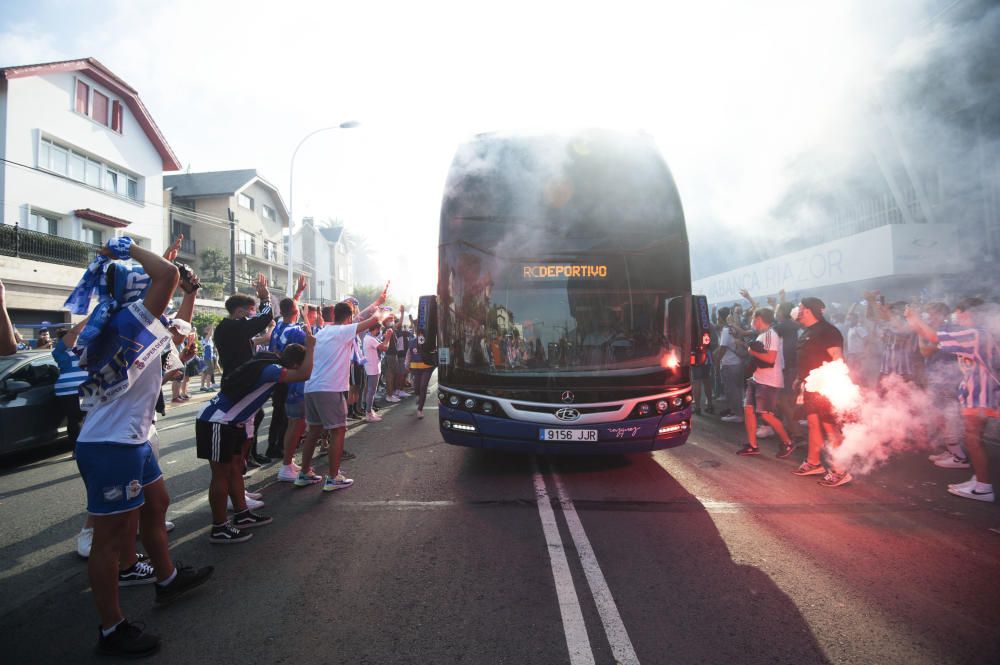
(662, 406)
(470, 403)
(487, 407)
(442, 396)
(677, 401)
(453, 400)
(644, 409)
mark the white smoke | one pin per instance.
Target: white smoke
(904, 417)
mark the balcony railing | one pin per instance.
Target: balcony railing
(256, 251)
(189, 247)
(25, 244)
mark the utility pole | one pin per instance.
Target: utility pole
(232, 251)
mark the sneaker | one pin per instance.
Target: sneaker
(347, 455)
(420, 413)
(373, 418)
(84, 540)
(252, 504)
(732, 419)
(393, 399)
(953, 462)
(786, 450)
(187, 578)
(139, 573)
(251, 463)
(227, 534)
(833, 479)
(748, 450)
(940, 456)
(249, 520)
(287, 473)
(338, 482)
(304, 479)
(256, 496)
(402, 394)
(970, 492)
(968, 484)
(128, 640)
(807, 469)
(765, 431)
(169, 526)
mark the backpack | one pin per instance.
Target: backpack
(241, 381)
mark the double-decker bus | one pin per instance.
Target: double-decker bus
(564, 296)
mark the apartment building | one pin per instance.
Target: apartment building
(83, 162)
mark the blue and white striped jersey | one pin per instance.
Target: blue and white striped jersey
(224, 409)
(978, 358)
(70, 374)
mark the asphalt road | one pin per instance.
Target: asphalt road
(447, 555)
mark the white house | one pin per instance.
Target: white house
(83, 162)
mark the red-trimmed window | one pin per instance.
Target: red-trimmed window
(82, 96)
(99, 110)
(116, 116)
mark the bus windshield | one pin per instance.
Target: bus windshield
(592, 313)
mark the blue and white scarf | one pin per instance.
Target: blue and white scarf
(107, 363)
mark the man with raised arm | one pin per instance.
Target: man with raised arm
(325, 404)
(120, 349)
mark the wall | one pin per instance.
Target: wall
(887, 251)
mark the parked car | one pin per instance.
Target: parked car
(29, 413)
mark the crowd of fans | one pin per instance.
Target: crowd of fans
(762, 355)
(320, 367)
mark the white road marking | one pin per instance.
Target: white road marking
(574, 627)
(614, 628)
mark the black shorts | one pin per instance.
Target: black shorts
(816, 403)
(218, 442)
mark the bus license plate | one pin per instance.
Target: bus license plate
(547, 434)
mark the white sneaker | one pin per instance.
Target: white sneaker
(392, 398)
(940, 456)
(256, 496)
(373, 418)
(338, 482)
(968, 492)
(252, 504)
(952, 462)
(420, 413)
(765, 431)
(732, 419)
(402, 393)
(968, 484)
(287, 473)
(83, 542)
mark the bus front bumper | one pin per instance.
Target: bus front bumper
(474, 430)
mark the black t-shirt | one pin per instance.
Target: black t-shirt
(813, 344)
(788, 330)
(234, 337)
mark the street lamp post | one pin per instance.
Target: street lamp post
(291, 175)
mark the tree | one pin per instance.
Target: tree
(367, 293)
(214, 265)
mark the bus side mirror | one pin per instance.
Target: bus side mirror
(701, 325)
(677, 327)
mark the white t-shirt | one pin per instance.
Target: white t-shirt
(332, 359)
(771, 376)
(129, 418)
(729, 342)
(371, 355)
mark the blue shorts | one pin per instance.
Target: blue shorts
(295, 410)
(763, 398)
(115, 474)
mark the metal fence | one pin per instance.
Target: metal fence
(25, 244)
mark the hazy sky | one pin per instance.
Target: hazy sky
(730, 90)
